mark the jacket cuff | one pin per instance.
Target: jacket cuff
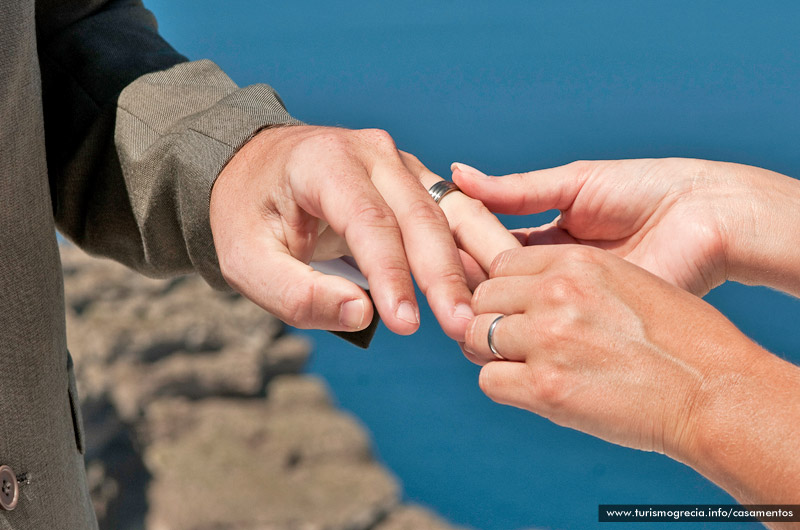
(213, 139)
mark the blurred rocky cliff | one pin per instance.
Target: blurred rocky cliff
(198, 415)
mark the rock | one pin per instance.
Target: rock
(288, 392)
(229, 372)
(221, 463)
(198, 416)
(412, 518)
(168, 337)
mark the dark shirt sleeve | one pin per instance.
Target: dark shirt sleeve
(136, 135)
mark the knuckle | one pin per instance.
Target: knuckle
(378, 137)
(581, 168)
(582, 171)
(479, 294)
(393, 266)
(374, 216)
(471, 357)
(486, 382)
(500, 261)
(445, 278)
(297, 304)
(561, 328)
(561, 290)
(549, 386)
(471, 336)
(423, 211)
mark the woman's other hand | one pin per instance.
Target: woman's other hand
(694, 223)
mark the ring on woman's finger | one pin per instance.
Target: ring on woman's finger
(490, 337)
(442, 188)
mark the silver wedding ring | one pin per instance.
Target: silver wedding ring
(491, 336)
(442, 188)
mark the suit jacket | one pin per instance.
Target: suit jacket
(111, 136)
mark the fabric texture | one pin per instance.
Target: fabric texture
(109, 134)
(137, 135)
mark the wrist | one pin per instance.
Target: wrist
(741, 432)
(758, 216)
(250, 157)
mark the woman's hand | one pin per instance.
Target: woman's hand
(599, 345)
(478, 234)
(694, 223)
(595, 343)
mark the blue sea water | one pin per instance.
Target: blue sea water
(510, 86)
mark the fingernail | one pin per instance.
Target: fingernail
(466, 348)
(407, 313)
(468, 170)
(351, 315)
(463, 311)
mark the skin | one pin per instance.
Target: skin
(604, 332)
(296, 194)
(695, 223)
(587, 344)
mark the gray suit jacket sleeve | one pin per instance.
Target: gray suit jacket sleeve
(136, 135)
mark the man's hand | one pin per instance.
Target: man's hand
(695, 223)
(298, 194)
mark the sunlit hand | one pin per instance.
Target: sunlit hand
(296, 194)
(598, 344)
(694, 223)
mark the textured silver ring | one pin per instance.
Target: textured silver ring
(490, 338)
(442, 188)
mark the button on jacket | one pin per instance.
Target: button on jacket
(114, 138)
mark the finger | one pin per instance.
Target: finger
(508, 383)
(524, 193)
(474, 228)
(511, 337)
(471, 357)
(338, 189)
(429, 245)
(296, 293)
(549, 234)
(536, 259)
(475, 273)
(505, 294)
(521, 234)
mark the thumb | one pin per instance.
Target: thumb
(523, 193)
